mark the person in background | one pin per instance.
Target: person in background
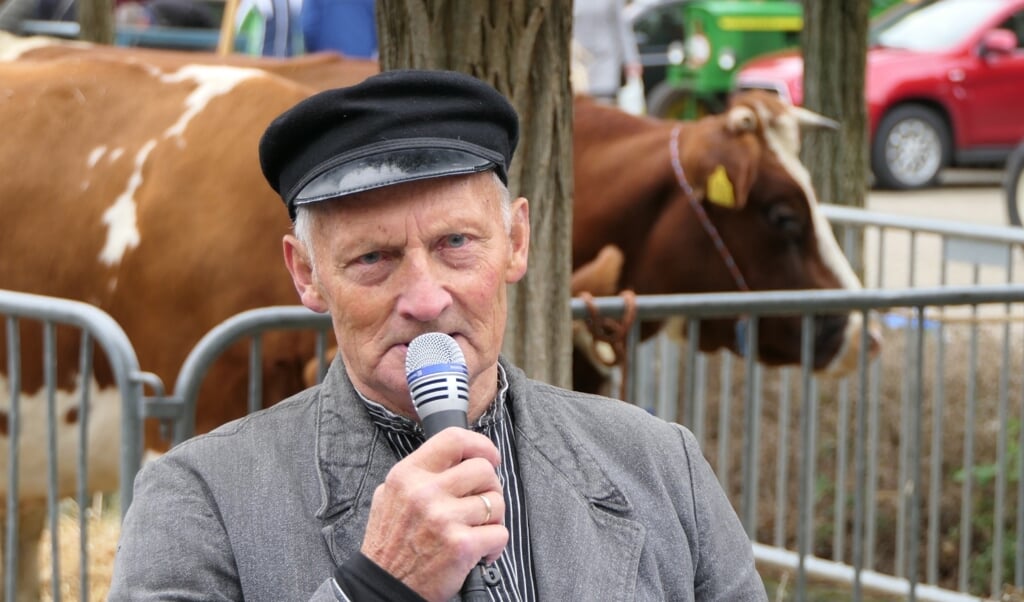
(404, 226)
(345, 26)
(269, 28)
(610, 53)
(166, 13)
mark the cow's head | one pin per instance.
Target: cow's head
(748, 182)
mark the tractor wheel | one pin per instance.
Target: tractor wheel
(672, 102)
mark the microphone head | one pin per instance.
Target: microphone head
(435, 369)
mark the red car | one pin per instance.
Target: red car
(945, 87)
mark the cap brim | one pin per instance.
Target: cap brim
(387, 169)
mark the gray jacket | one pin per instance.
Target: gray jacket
(622, 505)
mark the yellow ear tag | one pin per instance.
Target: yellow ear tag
(720, 190)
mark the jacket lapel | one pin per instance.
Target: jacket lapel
(352, 459)
(585, 543)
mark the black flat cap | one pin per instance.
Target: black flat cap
(394, 127)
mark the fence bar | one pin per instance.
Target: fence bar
(860, 464)
(724, 421)
(906, 396)
(935, 475)
(956, 229)
(632, 351)
(13, 473)
(881, 256)
(1018, 563)
(782, 455)
(50, 383)
(1002, 462)
(999, 510)
(916, 433)
(321, 355)
(255, 374)
(805, 502)
(872, 580)
(966, 500)
(85, 372)
(668, 382)
(751, 412)
(839, 511)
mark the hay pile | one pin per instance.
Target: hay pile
(103, 529)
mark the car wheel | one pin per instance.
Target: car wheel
(672, 102)
(1013, 186)
(910, 148)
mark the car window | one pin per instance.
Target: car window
(935, 26)
(1015, 24)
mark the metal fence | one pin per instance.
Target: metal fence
(869, 471)
(40, 319)
(899, 479)
(836, 480)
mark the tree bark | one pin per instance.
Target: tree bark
(834, 42)
(96, 21)
(521, 47)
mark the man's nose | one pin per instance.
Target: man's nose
(423, 296)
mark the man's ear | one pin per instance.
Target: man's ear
(301, 269)
(519, 237)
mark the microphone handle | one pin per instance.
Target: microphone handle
(474, 588)
(438, 421)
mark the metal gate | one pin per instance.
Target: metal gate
(854, 520)
(44, 321)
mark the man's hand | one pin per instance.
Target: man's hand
(428, 526)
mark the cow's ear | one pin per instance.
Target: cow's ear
(741, 119)
(728, 182)
(729, 192)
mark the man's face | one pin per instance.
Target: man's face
(393, 263)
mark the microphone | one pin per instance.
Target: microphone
(438, 382)
(435, 369)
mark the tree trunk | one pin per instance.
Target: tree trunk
(834, 44)
(96, 21)
(521, 47)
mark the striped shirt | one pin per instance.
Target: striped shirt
(515, 563)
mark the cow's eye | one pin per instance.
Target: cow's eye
(785, 220)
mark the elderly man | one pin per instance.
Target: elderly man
(404, 226)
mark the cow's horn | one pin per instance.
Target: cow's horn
(811, 119)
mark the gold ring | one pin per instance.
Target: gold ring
(487, 505)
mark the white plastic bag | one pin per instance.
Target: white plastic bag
(631, 96)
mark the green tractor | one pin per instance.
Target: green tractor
(692, 48)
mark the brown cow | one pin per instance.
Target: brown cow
(745, 175)
(139, 191)
(318, 71)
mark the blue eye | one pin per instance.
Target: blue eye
(456, 240)
(371, 258)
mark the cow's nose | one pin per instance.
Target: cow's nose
(829, 333)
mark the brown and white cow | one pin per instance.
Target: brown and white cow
(744, 174)
(138, 190)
